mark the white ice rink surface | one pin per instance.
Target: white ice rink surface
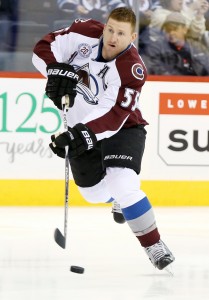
(34, 267)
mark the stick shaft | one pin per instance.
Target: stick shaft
(58, 236)
(65, 100)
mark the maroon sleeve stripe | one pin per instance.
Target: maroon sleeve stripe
(111, 121)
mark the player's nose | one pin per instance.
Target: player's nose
(113, 38)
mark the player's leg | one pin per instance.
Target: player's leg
(88, 174)
(124, 149)
(122, 156)
(124, 185)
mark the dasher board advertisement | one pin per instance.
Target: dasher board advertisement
(177, 144)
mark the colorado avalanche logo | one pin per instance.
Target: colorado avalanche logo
(84, 50)
(84, 87)
(138, 71)
(88, 95)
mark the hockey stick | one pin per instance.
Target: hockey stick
(60, 239)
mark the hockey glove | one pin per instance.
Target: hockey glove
(62, 80)
(79, 139)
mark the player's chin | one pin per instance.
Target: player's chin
(114, 52)
(110, 56)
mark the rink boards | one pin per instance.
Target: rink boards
(51, 192)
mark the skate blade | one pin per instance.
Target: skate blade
(169, 270)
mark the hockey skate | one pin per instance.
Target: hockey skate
(117, 213)
(160, 255)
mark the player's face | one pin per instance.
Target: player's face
(116, 38)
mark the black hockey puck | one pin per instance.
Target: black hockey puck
(77, 269)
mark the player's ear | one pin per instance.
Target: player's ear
(133, 36)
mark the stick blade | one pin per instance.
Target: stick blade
(59, 238)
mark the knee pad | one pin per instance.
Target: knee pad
(124, 186)
(98, 193)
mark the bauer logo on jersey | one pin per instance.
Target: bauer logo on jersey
(84, 50)
(138, 71)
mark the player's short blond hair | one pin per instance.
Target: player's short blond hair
(123, 14)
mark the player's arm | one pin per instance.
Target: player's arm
(105, 121)
(50, 57)
(82, 137)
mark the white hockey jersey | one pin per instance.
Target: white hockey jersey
(108, 92)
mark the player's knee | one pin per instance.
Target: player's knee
(124, 186)
(96, 194)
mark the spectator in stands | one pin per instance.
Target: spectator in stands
(207, 19)
(197, 8)
(170, 52)
(8, 15)
(194, 15)
(200, 9)
(145, 12)
(112, 4)
(8, 33)
(155, 4)
(96, 9)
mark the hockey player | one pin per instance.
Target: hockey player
(99, 67)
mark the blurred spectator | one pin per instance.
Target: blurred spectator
(170, 52)
(84, 8)
(8, 15)
(96, 9)
(207, 20)
(155, 4)
(200, 9)
(193, 11)
(112, 4)
(145, 12)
